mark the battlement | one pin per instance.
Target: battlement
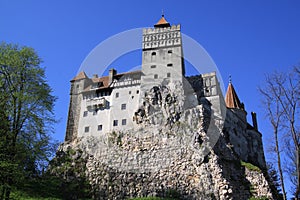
(161, 37)
(161, 30)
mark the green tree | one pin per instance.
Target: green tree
(26, 117)
(274, 179)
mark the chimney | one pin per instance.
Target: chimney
(254, 120)
(112, 73)
(95, 75)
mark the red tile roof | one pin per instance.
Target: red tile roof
(79, 76)
(105, 80)
(162, 22)
(231, 98)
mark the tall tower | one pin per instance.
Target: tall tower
(233, 103)
(78, 83)
(162, 57)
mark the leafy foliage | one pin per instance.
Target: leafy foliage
(258, 198)
(26, 117)
(274, 180)
(69, 167)
(152, 198)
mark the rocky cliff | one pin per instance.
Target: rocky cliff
(176, 150)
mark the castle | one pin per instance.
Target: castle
(155, 100)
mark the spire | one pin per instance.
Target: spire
(162, 22)
(231, 98)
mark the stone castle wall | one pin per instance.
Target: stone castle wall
(74, 111)
(190, 158)
(245, 141)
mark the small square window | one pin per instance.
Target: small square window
(85, 113)
(155, 76)
(168, 75)
(123, 106)
(86, 129)
(117, 94)
(170, 52)
(129, 92)
(115, 123)
(153, 66)
(100, 127)
(123, 122)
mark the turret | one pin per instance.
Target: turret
(233, 102)
(77, 85)
(162, 54)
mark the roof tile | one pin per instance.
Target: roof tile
(162, 22)
(80, 76)
(231, 98)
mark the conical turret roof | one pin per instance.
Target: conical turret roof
(162, 23)
(231, 99)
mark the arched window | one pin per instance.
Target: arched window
(153, 56)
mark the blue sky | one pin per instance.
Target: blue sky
(244, 38)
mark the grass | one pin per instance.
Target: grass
(151, 198)
(19, 195)
(250, 166)
(258, 198)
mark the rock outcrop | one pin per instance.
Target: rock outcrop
(177, 152)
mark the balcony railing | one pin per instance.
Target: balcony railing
(98, 102)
